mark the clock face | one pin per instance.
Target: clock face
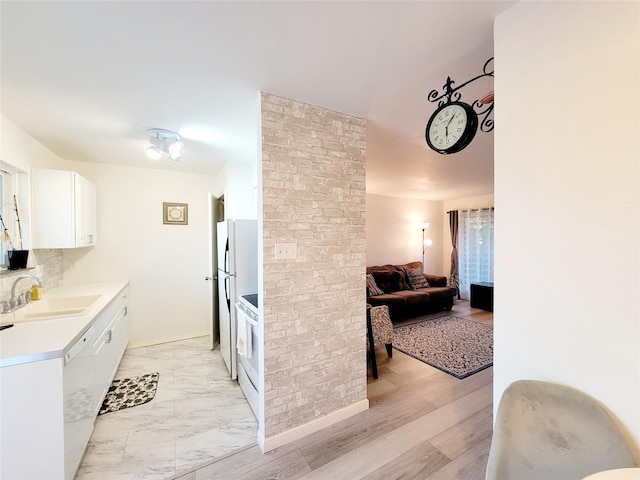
(451, 127)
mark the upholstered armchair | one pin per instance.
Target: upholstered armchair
(382, 327)
(552, 431)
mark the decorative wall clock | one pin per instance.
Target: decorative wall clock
(451, 127)
(454, 123)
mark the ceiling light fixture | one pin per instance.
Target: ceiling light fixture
(164, 141)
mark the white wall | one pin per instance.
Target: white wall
(483, 201)
(20, 149)
(394, 237)
(567, 194)
(240, 192)
(166, 264)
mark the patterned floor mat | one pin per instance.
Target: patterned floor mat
(130, 392)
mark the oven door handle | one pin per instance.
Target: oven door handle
(252, 321)
(248, 315)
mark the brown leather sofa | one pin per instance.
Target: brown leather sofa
(406, 293)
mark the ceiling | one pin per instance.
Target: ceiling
(88, 79)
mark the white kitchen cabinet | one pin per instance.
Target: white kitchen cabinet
(63, 209)
(48, 407)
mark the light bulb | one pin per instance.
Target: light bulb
(153, 152)
(174, 150)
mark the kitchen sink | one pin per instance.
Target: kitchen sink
(56, 313)
(50, 308)
(63, 303)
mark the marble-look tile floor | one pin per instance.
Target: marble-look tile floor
(197, 415)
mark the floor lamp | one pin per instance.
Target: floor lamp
(425, 243)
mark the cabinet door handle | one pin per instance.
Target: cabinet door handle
(109, 336)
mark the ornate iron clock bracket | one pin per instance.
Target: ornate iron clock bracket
(483, 111)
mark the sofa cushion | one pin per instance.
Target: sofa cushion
(438, 294)
(381, 268)
(405, 267)
(389, 281)
(414, 297)
(372, 286)
(436, 280)
(416, 278)
(397, 304)
(390, 268)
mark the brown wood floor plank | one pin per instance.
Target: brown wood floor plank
(255, 465)
(375, 426)
(452, 391)
(466, 434)
(422, 429)
(419, 462)
(471, 465)
(356, 463)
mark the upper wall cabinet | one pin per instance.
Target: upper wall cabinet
(63, 209)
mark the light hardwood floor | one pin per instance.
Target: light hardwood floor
(421, 424)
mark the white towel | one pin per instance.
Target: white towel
(244, 334)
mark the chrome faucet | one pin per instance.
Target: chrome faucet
(13, 301)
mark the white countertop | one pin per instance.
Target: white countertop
(32, 341)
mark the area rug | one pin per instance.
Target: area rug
(130, 392)
(457, 346)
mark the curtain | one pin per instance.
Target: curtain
(453, 227)
(475, 247)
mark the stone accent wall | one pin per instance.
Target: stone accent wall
(313, 189)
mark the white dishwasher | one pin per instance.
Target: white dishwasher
(79, 398)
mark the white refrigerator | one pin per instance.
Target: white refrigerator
(237, 275)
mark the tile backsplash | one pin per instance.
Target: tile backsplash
(46, 265)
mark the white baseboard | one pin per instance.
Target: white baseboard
(164, 340)
(268, 444)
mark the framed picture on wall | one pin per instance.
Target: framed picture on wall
(175, 213)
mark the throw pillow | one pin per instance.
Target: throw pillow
(372, 286)
(416, 278)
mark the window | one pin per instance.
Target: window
(475, 248)
(10, 181)
(5, 185)
(3, 250)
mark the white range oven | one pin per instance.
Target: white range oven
(249, 344)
